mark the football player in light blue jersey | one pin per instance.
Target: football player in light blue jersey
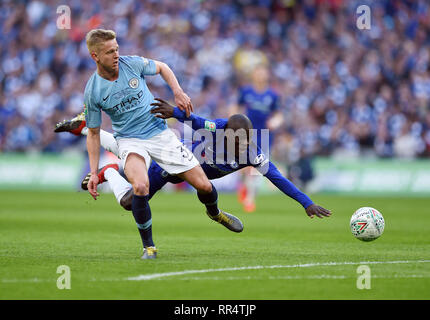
(119, 89)
(126, 100)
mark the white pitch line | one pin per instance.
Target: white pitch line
(25, 280)
(163, 276)
(153, 276)
(312, 277)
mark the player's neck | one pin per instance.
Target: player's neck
(110, 75)
(260, 87)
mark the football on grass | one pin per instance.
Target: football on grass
(367, 224)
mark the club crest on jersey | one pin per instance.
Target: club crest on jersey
(260, 160)
(234, 165)
(133, 83)
(164, 174)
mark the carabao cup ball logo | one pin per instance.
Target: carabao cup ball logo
(133, 83)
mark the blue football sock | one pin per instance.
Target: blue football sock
(210, 200)
(142, 216)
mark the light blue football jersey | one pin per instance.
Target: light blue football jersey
(127, 100)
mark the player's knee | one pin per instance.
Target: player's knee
(141, 188)
(204, 186)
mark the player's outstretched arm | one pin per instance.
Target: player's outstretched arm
(164, 110)
(182, 100)
(286, 186)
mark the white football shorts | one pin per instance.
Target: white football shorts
(164, 148)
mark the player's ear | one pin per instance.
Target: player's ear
(94, 56)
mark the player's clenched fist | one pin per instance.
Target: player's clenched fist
(183, 102)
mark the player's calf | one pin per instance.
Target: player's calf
(210, 200)
(143, 217)
(206, 192)
(125, 201)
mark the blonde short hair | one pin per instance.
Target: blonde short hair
(98, 36)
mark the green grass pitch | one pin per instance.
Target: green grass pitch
(281, 254)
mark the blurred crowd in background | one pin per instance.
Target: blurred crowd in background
(344, 91)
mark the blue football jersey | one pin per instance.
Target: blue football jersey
(208, 154)
(259, 106)
(126, 100)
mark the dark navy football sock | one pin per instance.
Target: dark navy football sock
(142, 215)
(210, 200)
